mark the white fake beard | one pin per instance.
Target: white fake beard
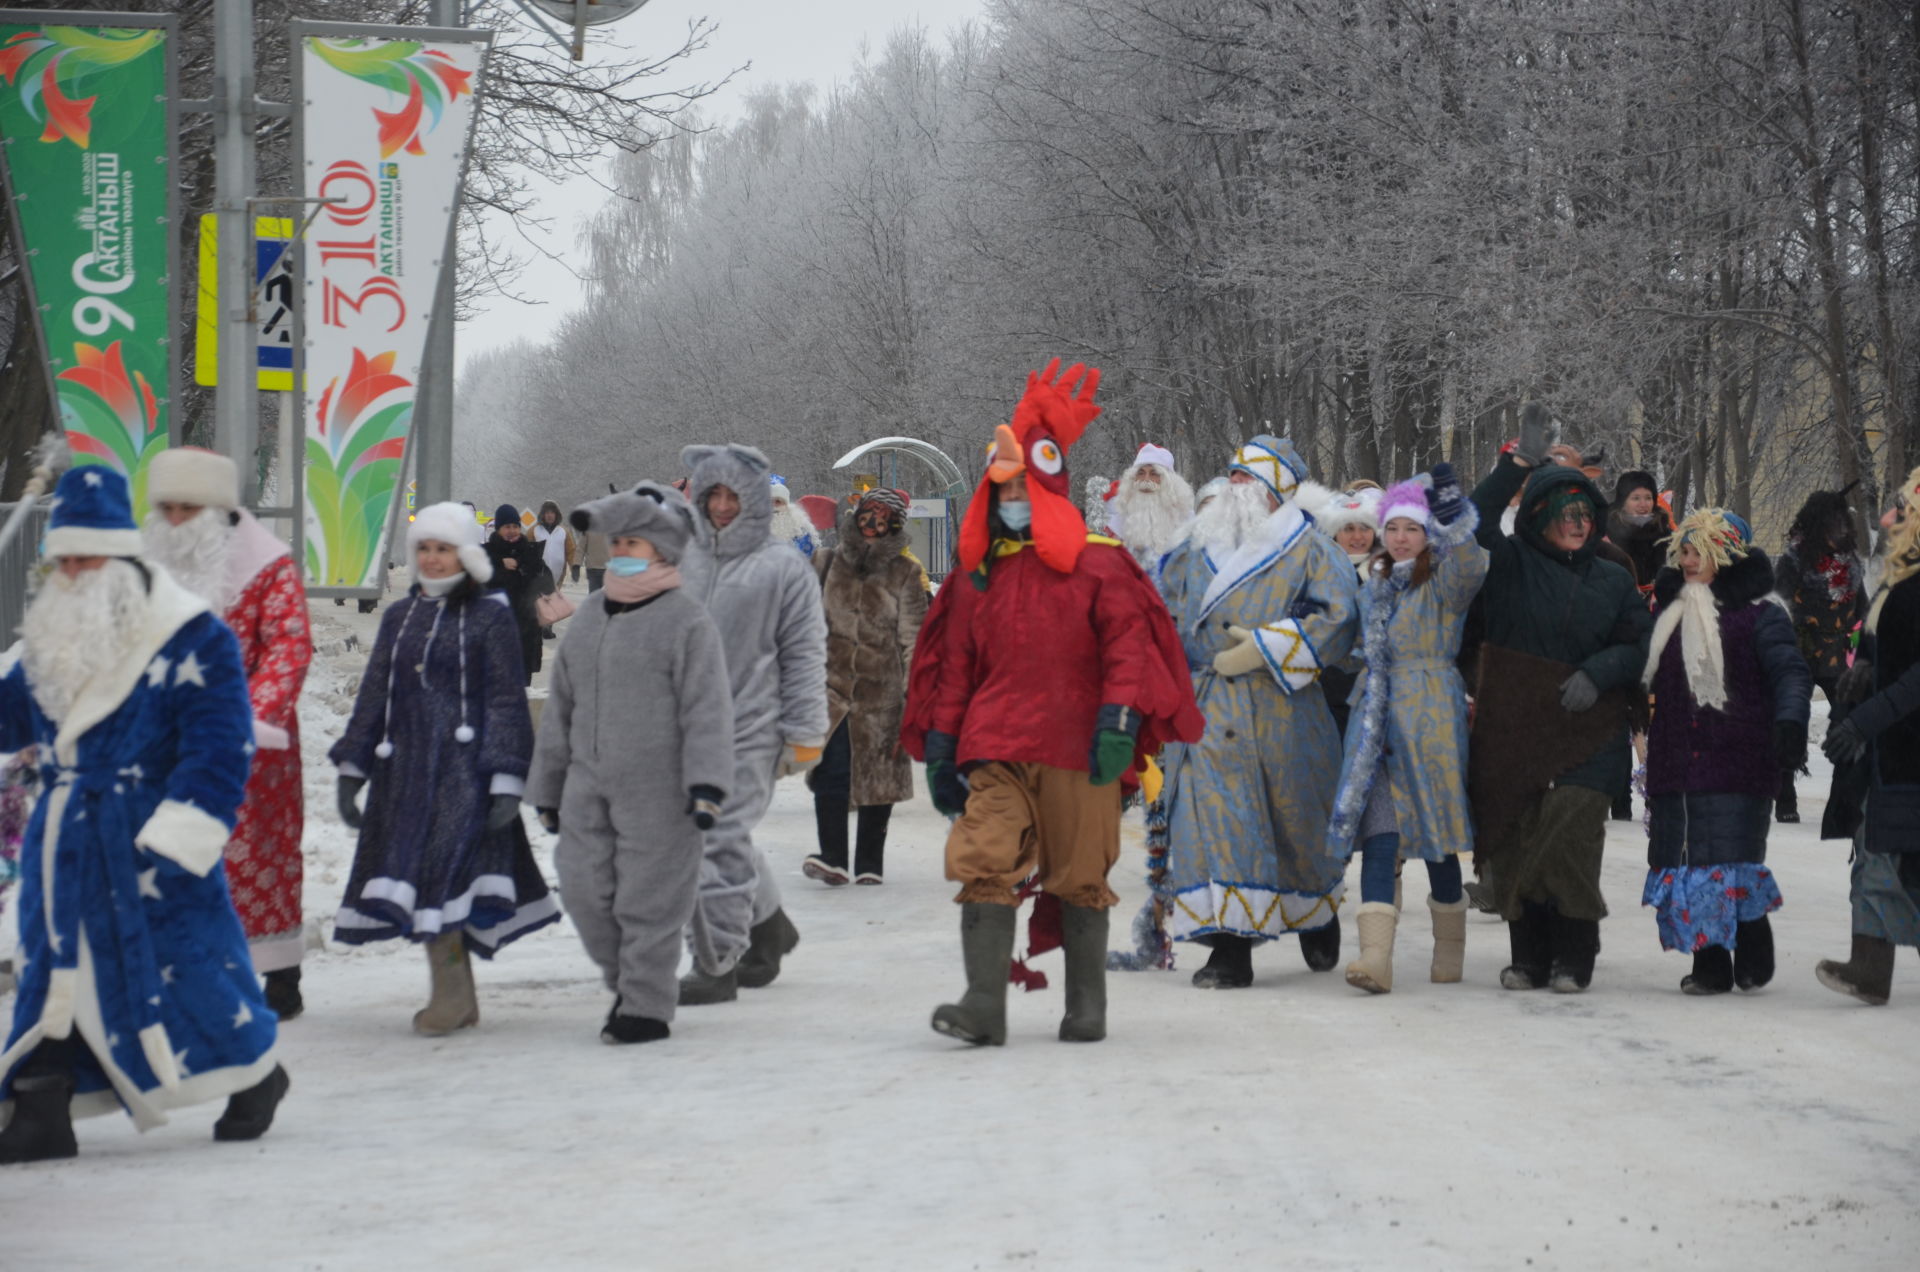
(786, 525)
(198, 553)
(1153, 516)
(1232, 516)
(78, 627)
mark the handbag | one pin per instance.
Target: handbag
(552, 607)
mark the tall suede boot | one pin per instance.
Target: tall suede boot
(829, 865)
(870, 843)
(1229, 966)
(1531, 936)
(1576, 943)
(1449, 940)
(1373, 970)
(1320, 946)
(1083, 931)
(1867, 974)
(42, 1125)
(454, 1004)
(1753, 953)
(986, 948)
(769, 941)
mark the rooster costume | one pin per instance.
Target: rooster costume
(1046, 670)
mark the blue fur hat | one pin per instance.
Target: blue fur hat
(93, 515)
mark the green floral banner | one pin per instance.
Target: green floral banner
(83, 127)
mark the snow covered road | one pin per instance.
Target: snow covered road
(819, 1123)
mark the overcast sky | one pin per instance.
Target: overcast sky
(778, 41)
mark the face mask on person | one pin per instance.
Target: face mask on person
(626, 567)
(1016, 516)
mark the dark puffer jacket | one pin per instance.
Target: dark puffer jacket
(1890, 720)
(1571, 607)
(1711, 773)
(1645, 546)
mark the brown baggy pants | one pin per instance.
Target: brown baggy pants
(1023, 818)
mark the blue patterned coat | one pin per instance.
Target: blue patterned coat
(127, 933)
(1247, 805)
(1410, 703)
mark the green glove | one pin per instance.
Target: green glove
(1112, 755)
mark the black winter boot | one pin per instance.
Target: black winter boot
(986, 948)
(829, 865)
(250, 1112)
(42, 1125)
(620, 1030)
(1623, 806)
(1576, 943)
(1229, 966)
(282, 989)
(1866, 975)
(1753, 953)
(702, 989)
(1786, 800)
(1531, 936)
(1712, 972)
(1083, 931)
(769, 942)
(1320, 946)
(870, 842)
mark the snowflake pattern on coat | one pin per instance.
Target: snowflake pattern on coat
(264, 864)
(1698, 906)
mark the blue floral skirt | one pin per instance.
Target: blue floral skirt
(1698, 906)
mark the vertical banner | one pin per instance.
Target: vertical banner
(387, 116)
(86, 118)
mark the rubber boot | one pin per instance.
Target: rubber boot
(1712, 972)
(1373, 970)
(829, 865)
(1083, 931)
(703, 989)
(768, 942)
(1449, 940)
(1532, 940)
(453, 1005)
(986, 949)
(870, 843)
(282, 990)
(1576, 943)
(42, 1125)
(1229, 966)
(1753, 953)
(1867, 974)
(250, 1112)
(1320, 946)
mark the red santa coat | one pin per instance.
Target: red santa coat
(265, 870)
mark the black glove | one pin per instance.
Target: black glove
(1111, 753)
(703, 805)
(945, 783)
(1790, 744)
(346, 796)
(502, 811)
(1855, 684)
(1449, 502)
(1538, 434)
(1845, 743)
(1578, 692)
(549, 819)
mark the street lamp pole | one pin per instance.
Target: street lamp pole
(236, 399)
(433, 426)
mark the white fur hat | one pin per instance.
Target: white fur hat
(1350, 508)
(452, 523)
(1151, 454)
(190, 475)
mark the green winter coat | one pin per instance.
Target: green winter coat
(1571, 607)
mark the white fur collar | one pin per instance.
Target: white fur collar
(254, 548)
(169, 608)
(1274, 539)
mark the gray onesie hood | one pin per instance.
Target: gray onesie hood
(659, 514)
(747, 473)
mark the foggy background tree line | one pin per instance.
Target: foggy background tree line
(1375, 226)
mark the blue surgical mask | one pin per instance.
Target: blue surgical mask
(1016, 516)
(626, 567)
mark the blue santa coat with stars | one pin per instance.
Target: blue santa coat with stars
(127, 934)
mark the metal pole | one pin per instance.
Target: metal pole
(236, 402)
(433, 427)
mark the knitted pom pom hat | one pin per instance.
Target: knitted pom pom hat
(1407, 499)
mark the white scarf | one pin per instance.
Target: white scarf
(1697, 615)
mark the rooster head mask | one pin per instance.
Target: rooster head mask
(1052, 414)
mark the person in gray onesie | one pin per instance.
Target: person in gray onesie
(763, 595)
(635, 756)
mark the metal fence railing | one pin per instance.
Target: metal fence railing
(17, 560)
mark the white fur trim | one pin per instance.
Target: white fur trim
(1151, 454)
(254, 549)
(476, 562)
(1275, 537)
(191, 475)
(88, 541)
(158, 1049)
(270, 737)
(184, 835)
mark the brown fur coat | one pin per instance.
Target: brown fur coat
(875, 598)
